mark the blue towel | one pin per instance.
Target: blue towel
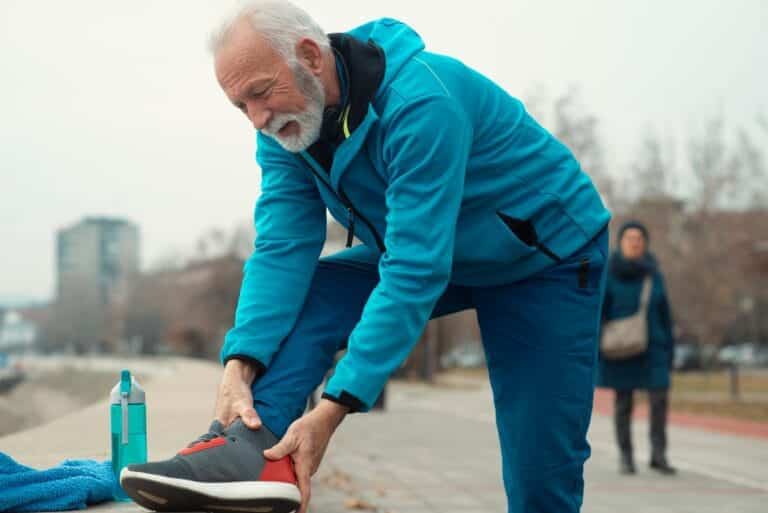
(74, 484)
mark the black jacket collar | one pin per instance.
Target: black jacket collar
(363, 64)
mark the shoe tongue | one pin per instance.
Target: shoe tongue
(262, 435)
(238, 427)
(216, 427)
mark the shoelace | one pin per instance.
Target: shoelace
(210, 435)
(207, 437)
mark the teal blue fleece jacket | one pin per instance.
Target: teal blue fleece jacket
(450, 180)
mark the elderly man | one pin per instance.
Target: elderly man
(461, 201)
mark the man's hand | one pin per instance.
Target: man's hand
(235, 398)
(306, 440)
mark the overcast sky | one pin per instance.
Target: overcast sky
(111, 108)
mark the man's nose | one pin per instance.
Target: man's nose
(259, 116)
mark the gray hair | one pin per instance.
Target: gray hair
(280, 22)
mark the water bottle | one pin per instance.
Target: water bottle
(128, 420)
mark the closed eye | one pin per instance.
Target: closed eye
(260, 93)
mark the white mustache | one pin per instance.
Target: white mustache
(278, 122)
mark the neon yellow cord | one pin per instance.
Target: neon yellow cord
(345, 123)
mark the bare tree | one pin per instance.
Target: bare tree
(715, 170)
(240, 240)
(754, 173)
(653, 171)
(212, 243)
(706, 247)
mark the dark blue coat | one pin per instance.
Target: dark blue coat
(652, 368)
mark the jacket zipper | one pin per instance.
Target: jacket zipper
(352, 212)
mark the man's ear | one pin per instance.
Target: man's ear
(309, 53)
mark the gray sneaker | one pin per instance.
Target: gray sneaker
(223, 471)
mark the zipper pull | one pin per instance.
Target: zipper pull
(351, 229)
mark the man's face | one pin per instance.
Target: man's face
(632, 244)
(283, 100)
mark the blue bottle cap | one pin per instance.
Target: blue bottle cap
(125, 382)
(128, 387)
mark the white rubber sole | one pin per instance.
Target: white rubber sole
(231, 491)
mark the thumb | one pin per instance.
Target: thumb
(251, 418)
(280, 450)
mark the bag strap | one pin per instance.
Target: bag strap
(645, 295)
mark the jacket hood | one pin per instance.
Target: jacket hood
(399, 42)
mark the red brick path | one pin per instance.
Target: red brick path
(604, 405)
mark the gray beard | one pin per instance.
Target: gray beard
(310, 120)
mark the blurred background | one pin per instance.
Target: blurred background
(128, 181)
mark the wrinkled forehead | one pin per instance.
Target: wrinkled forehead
(245, 52)
(633, 234)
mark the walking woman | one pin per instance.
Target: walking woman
(637, 343)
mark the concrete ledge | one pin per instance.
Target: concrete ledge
(180, 402)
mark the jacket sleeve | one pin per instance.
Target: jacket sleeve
(425, 147)
(290, 232)
(665, 316)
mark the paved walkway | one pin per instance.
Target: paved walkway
(433, 450)
(416, 458)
